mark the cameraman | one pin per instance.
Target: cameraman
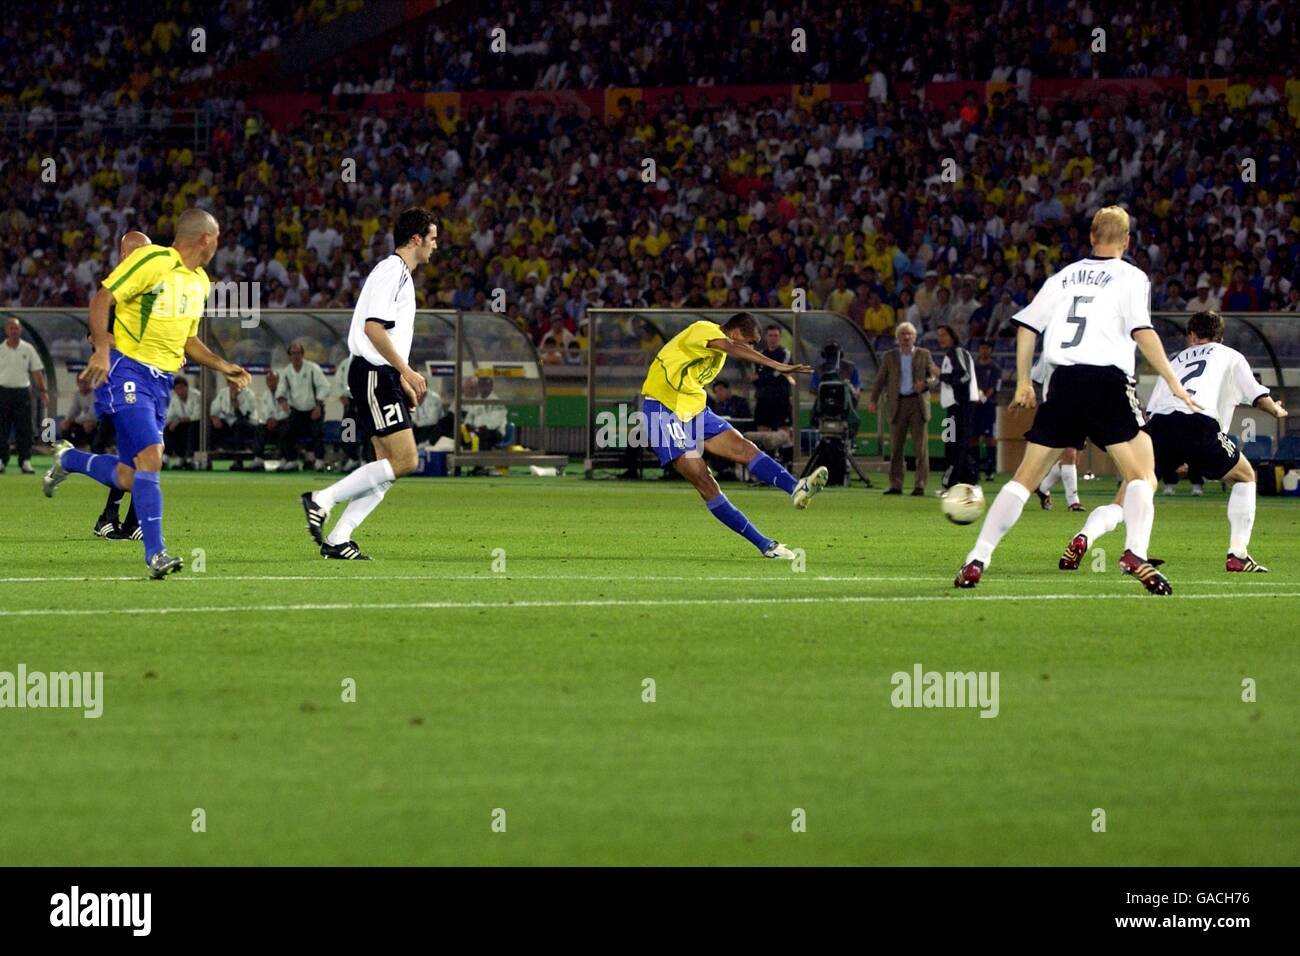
(834, 367)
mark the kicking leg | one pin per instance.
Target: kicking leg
(732, 445)
(694, 470)
(1005, 511)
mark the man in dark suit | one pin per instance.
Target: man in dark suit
(905, 378)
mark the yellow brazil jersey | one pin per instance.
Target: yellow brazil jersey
(680, 372)
(158, 305)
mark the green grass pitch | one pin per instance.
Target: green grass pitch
(521, 689)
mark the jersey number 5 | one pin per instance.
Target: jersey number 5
(1074, 318)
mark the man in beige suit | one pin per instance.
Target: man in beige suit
(905, 378)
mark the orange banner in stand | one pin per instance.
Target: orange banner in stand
(616, 93)
(438, 103)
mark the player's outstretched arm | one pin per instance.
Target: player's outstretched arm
(739, 350)
(1272, 406)
(1149, 345)
(97, 368)
(198, 352)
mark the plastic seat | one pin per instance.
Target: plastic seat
(1258, 450)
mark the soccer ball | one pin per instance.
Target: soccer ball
(962, 504)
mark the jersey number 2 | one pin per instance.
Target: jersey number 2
(1197, 368)
(1074, 318)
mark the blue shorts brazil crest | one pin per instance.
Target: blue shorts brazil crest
(134, 397)
(670, 437)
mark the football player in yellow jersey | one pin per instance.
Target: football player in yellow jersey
(159, 294)
(681, 427)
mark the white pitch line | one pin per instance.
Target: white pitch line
(494, 576)
(667, 602)
(485, 576)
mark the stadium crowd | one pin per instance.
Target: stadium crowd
(888, 210)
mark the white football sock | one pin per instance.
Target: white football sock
(1102, 521)
(1139, 515)
(1241, 517)
(362, 481)
(1003, 514)
(357, 511)
(1050, 481)
(1070, 478)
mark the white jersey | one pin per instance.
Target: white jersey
(1218, 377)
(387, 296)
(1087, 314)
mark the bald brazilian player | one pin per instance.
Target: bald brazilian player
(107, 525)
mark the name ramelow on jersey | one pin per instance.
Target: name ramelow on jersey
(388, 295)
(1087, 314)
(1216, 375)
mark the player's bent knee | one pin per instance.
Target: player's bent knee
(125, 476)
(150, 459)
(1242, 471)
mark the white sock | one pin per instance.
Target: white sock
(362, 481)
(357, 511)
(1102, 521)
(1002, 516)
(1241, 517)
(1070, 478)
(1050, 481)
(1139, 515)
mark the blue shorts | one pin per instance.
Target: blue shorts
(670, 437)
(134, 397)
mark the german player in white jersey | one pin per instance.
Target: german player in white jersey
(1089, 315)
(1221, 379)
(385, 389)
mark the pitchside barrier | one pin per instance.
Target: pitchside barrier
(482, 370)
(552, 401)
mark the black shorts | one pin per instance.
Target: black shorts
(378, 402)
(771, 410)
(1180, 438)
(984, 419)
(1087, 401)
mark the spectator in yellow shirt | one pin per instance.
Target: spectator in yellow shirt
(841, 298)
(879, 318)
